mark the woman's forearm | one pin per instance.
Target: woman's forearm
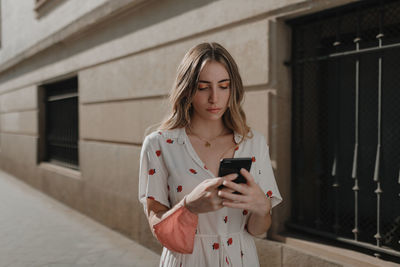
(157, 212)
(175, 229)
(258, 224)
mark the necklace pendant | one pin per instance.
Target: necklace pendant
(207, 144)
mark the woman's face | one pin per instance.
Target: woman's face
(213, 90)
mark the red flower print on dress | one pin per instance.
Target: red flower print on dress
(179, 188)
(226, 219)
(230, 240)
(170, 141)
(253, 159)
(152, 171)
(245, 226)
(193, 171)
(205, 167)
(236, 148)
(215, 246)
(245, 212)
(150, 197)
(226, 259)
(160, 133)
(269, 193)
(168, 187)
(158, 153)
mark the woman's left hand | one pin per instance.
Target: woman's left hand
(251, 197)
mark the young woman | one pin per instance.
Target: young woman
(195, 214)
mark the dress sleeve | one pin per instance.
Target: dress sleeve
(266, 177)
(153, 182)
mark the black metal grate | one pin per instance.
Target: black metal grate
(346, 101)
(62, 123)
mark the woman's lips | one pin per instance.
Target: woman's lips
(213, 110)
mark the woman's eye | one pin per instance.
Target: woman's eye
(224, 85)
(202, 87)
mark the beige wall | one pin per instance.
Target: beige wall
(155, 25)
(125, 68)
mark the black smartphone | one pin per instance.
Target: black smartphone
(233, 165)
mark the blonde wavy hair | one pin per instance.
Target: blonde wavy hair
(185, 87)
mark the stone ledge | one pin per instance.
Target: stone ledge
(336, 255)
(60, 170)
(40, 4)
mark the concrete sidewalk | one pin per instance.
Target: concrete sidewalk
(38, 231)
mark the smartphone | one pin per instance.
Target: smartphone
(233, 165)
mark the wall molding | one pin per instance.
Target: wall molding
(102, 13)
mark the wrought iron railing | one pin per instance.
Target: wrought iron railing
(61, 123)
(346, 126)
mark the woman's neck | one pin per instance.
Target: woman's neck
(207, 128)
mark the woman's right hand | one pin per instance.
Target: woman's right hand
(204, 197)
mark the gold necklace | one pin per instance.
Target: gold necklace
(207, 142)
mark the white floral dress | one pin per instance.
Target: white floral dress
(170, 169)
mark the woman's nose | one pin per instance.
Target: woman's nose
(213, 96)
